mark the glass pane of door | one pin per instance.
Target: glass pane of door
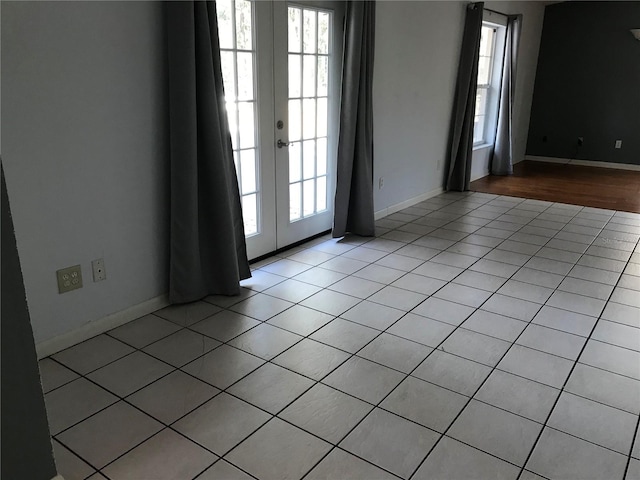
(309, 46)
(238, 56)
(306, 64)
(281, 84)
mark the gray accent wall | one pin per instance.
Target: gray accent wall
(588, 83)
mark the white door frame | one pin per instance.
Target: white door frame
(275, 231)
(290, 232)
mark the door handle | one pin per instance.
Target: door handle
(283, 144)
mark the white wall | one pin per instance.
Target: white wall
(84, 136)
(84, 153)
(416, 64)
(533, 16)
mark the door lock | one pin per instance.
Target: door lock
(283, 144)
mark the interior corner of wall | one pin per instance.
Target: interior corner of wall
(96, 327)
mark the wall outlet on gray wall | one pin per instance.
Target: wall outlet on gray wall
(99, 273)
(69, 278)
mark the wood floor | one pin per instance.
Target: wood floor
(589, 186)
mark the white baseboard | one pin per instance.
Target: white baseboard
(536, 158)
(407, 203)
(585, 163)
(479, 175)
(91, 329)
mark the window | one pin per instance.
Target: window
(309, 50)
(489, 76)
(237, 53)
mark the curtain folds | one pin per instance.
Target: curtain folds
(354, 188)
(207, 244)
(464, 104)
(502, 158)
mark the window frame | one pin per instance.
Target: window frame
(492, 89)
(234, 102)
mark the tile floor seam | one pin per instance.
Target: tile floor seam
(586, 440)
(609, 371)
(81, 458)
(584, 346)
(137, 348)
(557, 329)
(149, 438)
(225, 391)
(406, 375)
(189, 361)
(165, 424)
(377, 405)
(592, 281)
(337, 447)
(289, 403)
(620, 323)
(380, 332)
(635, 438)
(66, 383)
(614, 344)
(124, 400)
(87, 340)
(466, 404)
(220, 456)
(470, 399)
(127, 451)
(76, 454)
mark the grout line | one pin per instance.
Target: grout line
(564, 386)
(471, 398)
(635, 439)
(442, 342)
(380, 332)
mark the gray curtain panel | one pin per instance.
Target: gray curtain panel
(464, 105)
(502, 158)
(354, 188)
(26, 446)
(208, 251)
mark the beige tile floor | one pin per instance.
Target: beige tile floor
(476, 337)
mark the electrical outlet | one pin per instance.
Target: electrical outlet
(380, 183)
(580, 141)
(99, 273)
(69, 278)
(618, 143)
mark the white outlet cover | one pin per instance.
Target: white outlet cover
(99, 273)
(618, 143)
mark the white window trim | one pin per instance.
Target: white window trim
(493, 88)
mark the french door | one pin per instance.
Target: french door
(281, 69)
